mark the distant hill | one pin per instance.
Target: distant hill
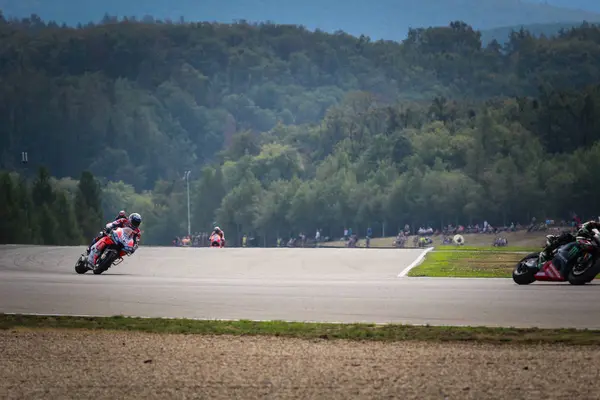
(502, 34)
(388, 19)
(591, 5)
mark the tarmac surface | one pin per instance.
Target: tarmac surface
(327, 285)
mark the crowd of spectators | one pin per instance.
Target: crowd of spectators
(422, 236)
(198, 239)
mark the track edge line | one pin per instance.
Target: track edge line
(417, 261)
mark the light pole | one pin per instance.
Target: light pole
(25, 162)
(187, 180)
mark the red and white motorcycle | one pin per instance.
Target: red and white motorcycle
(116, 245)
(216, 241)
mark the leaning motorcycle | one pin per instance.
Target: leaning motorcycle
(216, 241)
(117, 244)
(580, 260)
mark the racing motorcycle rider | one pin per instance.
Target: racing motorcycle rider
(132, 222)
(219, 231)
(553, 242)
(122, 214)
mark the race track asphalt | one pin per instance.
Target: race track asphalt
(330, 285)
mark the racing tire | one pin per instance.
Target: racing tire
(522, 274)
(80, 266)
(106, 260)
(586, 276)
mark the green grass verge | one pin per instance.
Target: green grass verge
(507, 249)
(465, 263)
(388, 333)
(468, 264)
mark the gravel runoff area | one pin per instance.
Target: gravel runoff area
(57, 364)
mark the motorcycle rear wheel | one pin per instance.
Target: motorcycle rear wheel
(522, 274)
(106, 260)
(587, 275)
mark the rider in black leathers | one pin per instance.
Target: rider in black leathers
(553, 241)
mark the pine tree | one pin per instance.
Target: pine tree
(43, 196)
(43, 193)
(70, 229)
(8, 209)
(49, 227)
(28, 231)
(88, 206)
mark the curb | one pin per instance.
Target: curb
(418, 261)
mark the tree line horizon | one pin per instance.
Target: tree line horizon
(287, 130)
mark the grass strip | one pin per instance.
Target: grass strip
(507, 249)
(467, 264)
(360, 332)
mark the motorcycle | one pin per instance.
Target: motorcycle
(580, 259)
(216, 241)
(117, 244)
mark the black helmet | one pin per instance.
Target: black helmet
(122, 214)
(135, 220)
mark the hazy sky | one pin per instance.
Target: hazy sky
(387, 19)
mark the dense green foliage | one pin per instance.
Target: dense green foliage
(287, 131)
(503, 33)
(49, 212)
(141, 102)
(447, 163)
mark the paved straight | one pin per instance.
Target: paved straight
(329, 285)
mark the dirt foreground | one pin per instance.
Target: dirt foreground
(60, 364)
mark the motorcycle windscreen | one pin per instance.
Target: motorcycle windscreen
(124, 236)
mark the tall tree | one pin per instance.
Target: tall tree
(69, 228)
(88, 206)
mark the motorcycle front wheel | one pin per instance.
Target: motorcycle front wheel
(524, 274)
(80, 266)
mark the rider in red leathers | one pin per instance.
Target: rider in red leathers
(122, 214)
(219, 231)
(132, 222)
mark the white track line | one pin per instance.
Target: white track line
(418, 261)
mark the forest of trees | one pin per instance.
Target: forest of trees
(502, 34)
(287, 131)
(44, 211)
